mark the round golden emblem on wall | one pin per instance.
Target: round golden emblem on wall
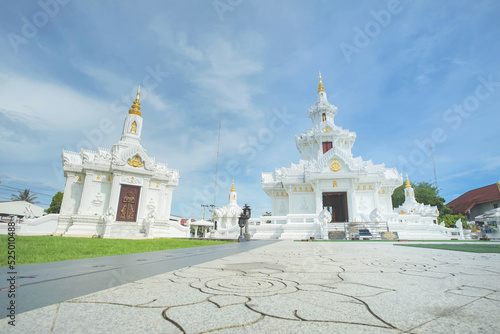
(335, 165)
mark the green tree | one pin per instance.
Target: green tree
(24, 195)
(55, 205)
(398, 196)
(450, 220)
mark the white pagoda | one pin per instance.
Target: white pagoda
(330, 187)
(328, 176)
(415, 220)
(411, 207)
(118, 193)
(227, 217)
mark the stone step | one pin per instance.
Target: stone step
(126, 230)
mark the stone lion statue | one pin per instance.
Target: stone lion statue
(324, 217)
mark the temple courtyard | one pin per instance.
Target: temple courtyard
(291, 287)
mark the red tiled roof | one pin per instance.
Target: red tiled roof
(465, 202)
(185, 220)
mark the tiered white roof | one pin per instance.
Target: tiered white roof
(315, 164)
(127, 155)
(232, 209)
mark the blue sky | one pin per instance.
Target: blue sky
(404, 76)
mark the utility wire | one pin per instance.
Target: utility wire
(19, 189)
(434, 166)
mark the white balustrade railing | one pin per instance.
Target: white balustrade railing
(288, 219)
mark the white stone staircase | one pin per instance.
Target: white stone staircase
(126, 230)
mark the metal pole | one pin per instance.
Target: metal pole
(217, 160)
(204, 206)
(247, 235)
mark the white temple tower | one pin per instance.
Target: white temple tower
(410, 206)
(330, 192)
(328, 176)
(227, 216)
(122, 193)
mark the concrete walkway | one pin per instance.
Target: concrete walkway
(295, 287)
(43, 284)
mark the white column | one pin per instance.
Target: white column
(319, 198)
(351, 204)
(167, 202)
(115, 194)
(66, 202)
(289, 192)
(377, 202)
(160, 210)
(290, 201)
(85, 200)
(143, 200)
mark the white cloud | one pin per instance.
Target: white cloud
(220, 73)
(106, 79)
(48, 106)
(155, 101)
(487, 165)
(6, 134)
(175, 41)
(225, 81)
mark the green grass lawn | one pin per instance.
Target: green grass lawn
(473, 248)
(41, 249)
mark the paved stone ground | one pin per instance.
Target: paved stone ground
(295, 287)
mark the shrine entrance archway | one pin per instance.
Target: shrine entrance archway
(336, 204)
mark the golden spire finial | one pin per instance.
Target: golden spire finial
(136, 106)
(232, 188)
(408, 184)
(320, 85)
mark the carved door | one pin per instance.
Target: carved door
(128, 204)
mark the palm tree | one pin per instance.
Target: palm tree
(24, 196)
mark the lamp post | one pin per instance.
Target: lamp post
(243, 222)
(248, 214)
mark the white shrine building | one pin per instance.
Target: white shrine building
(328, 176)
(118, 193)
(329, 188)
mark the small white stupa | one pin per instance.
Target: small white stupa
(412, 207)
(227, 216)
